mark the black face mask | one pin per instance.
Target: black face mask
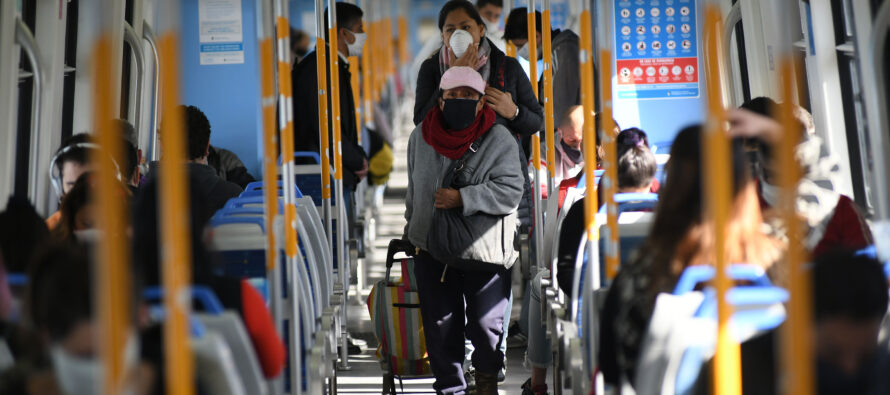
(573, 154)
(459, 114)
(301, 52)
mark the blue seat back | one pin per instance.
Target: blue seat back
(204, 295)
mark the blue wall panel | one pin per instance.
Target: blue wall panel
(229, 94)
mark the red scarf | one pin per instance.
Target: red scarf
(453, 144)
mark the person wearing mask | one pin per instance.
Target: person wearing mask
(570, 132)
(564, 47)
(463, 128)
(849, 302)
(71, 160)
(350, 39)
(834, 220)
(600, 153)
(489, 10)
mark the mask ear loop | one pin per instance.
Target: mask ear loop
(56, 179)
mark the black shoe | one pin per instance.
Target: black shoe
(502, 375)
(527, 388)
(515, 337)
(486, 383)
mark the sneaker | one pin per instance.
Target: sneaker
(537, 390)
(515, 337)
(502, 375)
(470, 378)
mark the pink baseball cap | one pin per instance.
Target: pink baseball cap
(457, 77)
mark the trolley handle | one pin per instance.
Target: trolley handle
(396, 246)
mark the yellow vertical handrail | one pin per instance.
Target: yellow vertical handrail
(532, 47)
(286, 125)
(321, 71)
(510, 49)
(367, 77)
(356, 95)
(590, 201)
(549, 120)
(797, 354)
(176, 238)
(111, 271)
(717, 158)
(404, 51)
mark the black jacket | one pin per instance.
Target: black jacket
(506, 75)
(305, 98)
(215, 191)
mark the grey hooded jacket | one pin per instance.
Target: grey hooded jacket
(496, 189)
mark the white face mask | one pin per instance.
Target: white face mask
(491, 28)
(355, 49)
(523, 52)
(83, 376)
(770, 193)
(460, 41)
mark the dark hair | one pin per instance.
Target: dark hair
(761, 105)
(483, 3)
(600, 151)
(22, 233)
(79, 155)
(198, 131)
(128, 161)
(347, 15)
(848, 286)
(636, 167)
(629, 138)
(517, 24)
(76, 199)
(455, 5)
(59, 295)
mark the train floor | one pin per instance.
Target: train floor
(366, 376)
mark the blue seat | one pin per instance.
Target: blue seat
(252, 201)
(255, 189)
(17, 279)
(204, 295)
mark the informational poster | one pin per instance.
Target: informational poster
(656, 49)
(221, 41)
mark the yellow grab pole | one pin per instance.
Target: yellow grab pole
(111, 271)
(549, 121)
(404, 52)
(590, 201)
(342, 223)
(796, 339)
(174, 201)
(321, 65)
(356, 96)
(718, 193)
(510, 48)
(367, 78)
(612, 252)
(532, 47)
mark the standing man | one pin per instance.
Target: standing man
(350, 39)
(564, 46)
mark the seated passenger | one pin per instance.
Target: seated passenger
(680, 237)
(22, 233)
(634, 137)
(215, 191)
(61, 309)
(850, 300)
(71, 160)
(129, 162)
(463, 300)
(78, 210)
(228, 166)
(569, 157)
(834, 219)
(600, 154)
(234, 294)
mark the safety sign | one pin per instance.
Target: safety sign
(221, 39)
(656, 49)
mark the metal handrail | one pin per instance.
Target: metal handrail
(149, 36)
(130, 37)
(25, 39)
(873, 85)
(732, 18)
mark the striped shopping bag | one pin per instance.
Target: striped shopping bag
(395, 311)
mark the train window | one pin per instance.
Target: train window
(70, 71)
(127, 67)
(742, 57)
(26, 92)
(853, 105)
